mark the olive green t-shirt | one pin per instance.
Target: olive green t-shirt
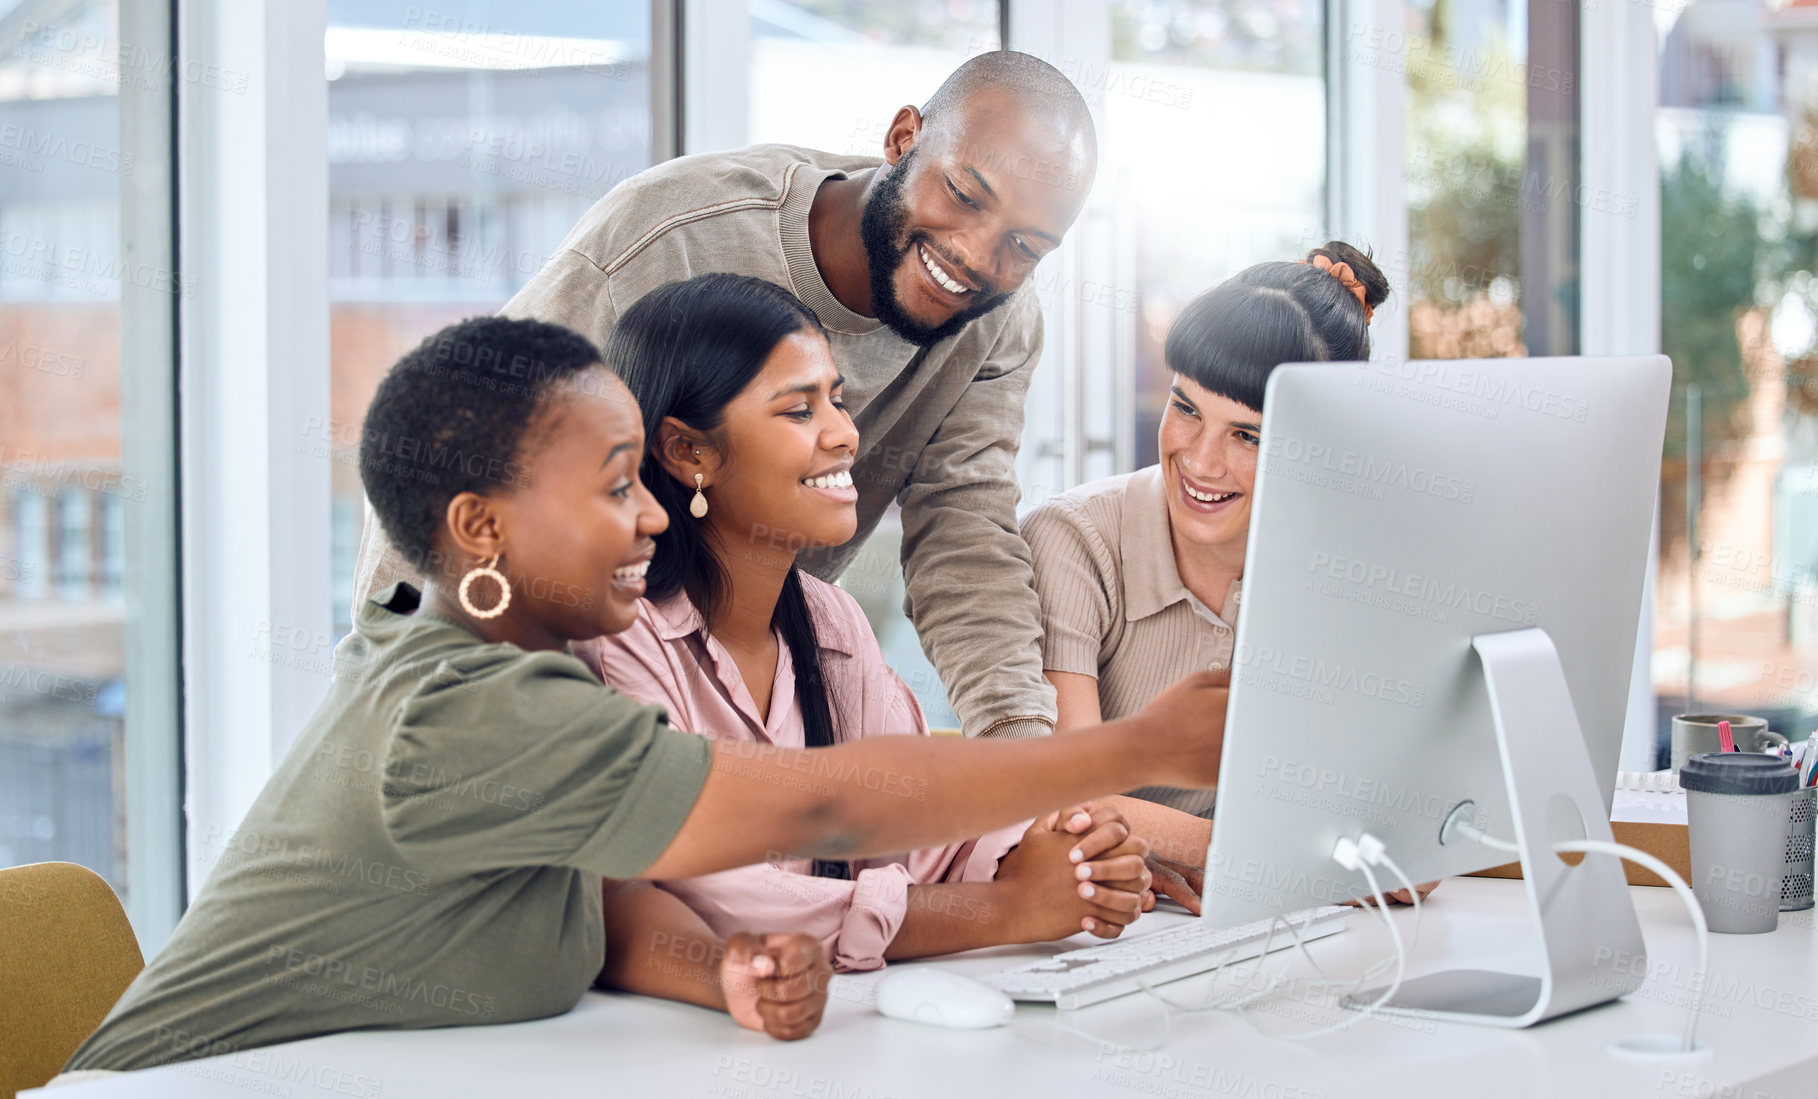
(428, 854)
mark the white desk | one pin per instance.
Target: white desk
(1761, 1020)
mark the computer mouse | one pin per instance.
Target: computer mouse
(924, 994)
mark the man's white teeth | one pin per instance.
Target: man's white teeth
(842, 479)
(631, 572)
(941, 276)
(1208, 497)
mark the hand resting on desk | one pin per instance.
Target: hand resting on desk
(776, 983)
(1396, 896)
(1183, 882)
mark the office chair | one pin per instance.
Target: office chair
(66, 954)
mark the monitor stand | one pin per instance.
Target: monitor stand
(1589, 936)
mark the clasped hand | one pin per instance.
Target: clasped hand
(1078, 870)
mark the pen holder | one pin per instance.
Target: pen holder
(1796, 887)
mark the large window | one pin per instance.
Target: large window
(830, 75)
(65, 481)
(463, 144)
(1737, 133)
(878, 56)
(1215, 143)
(1181, 90)
(1492, 176)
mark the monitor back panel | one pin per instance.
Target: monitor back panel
(1400, 509)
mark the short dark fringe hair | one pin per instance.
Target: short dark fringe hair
(450, 417)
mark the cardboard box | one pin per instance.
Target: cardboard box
(1666, 842)
(1649, 819)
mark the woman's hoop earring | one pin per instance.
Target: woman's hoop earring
(697, 507)
(485, 569)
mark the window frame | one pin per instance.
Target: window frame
(152, 582)
(1619, 260)
(254, 335)
(253, 375)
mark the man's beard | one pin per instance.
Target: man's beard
(882, 226)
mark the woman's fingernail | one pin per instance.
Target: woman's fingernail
(1082, 872)
(1086, 890)
(1089, 925)
(1076, 854)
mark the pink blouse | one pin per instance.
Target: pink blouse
(666, 658)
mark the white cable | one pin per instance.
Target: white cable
(1374, 970)
(1672, 878)
(1401, 965)
(1471, 832)
(1413, 896)
(1215, 973)
(1357, 854)
(1666, 873)
(1377, 968)
(1368, 851)
(1360, 855)
(1166, 1036)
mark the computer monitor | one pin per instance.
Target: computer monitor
(1420, 532)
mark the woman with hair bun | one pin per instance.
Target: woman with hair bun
(1140, 575)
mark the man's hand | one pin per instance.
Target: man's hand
(1061, 882)
(1181, 881)
(1186, 727)
(776, 983)
(1397, 896)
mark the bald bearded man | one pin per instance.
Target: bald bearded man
(918, 264)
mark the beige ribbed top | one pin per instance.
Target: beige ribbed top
(1114, 606)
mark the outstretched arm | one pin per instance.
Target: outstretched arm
(1178, 841)
(898, 793)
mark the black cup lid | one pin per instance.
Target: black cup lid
(1738, 773)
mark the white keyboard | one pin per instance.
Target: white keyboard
(1077, 978)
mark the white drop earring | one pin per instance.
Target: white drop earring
(697, 507)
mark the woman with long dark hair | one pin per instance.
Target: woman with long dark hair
(750, 453)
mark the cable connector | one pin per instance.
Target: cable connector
(1354, 854)
(1464, 829)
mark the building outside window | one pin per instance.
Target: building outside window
(462, 147)
(62, 621)
(1737, 133)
